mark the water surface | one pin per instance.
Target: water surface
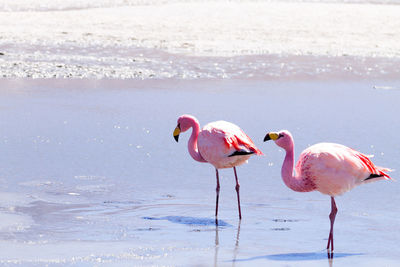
(90, 174)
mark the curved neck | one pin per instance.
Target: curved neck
(290, 178)
(192, 144)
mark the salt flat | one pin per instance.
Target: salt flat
(216, 39)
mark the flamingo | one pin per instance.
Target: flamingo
(221, 143)
(329, 168)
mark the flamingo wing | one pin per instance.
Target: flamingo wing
(335, 168)
(235, 140)
(241, 142)
(225, 145)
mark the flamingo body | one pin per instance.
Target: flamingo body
(220, 143)
(329, 168)
(219, 140)
(334, 169)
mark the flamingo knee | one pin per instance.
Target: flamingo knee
(237, 187)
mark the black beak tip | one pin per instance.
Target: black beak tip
(267, 138)
(176, 137)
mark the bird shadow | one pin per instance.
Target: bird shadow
(307, 256)
(193, 221)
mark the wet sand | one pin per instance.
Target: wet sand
(91, 175)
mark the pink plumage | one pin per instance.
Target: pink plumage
(329, 168)
(335, 169)
(221, 143)
(217, 141)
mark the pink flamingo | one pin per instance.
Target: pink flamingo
(221, 143)
(329, 168)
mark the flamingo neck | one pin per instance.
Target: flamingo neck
(192, 144)
(290, 178)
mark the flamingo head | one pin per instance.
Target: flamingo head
(185, 122)
(283, 139)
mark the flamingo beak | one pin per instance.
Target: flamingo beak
(177, 131)
(271, 136)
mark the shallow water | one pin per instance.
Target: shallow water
(90, 174)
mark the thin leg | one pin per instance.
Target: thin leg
(332, 217)
(237, 191)
(217, 190)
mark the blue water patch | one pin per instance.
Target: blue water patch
(307, 256)
(190, 220)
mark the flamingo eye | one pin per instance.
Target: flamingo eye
(281, 135)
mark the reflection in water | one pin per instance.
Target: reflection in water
(330, 258)
(216, 246)
(235, 251)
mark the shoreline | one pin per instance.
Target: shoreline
(187, 85)
(141, 64)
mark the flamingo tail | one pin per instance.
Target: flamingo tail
(383, 172)
(376, 171)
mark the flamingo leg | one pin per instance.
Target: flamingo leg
(237, 192)
(332, 217)
(217, 198)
